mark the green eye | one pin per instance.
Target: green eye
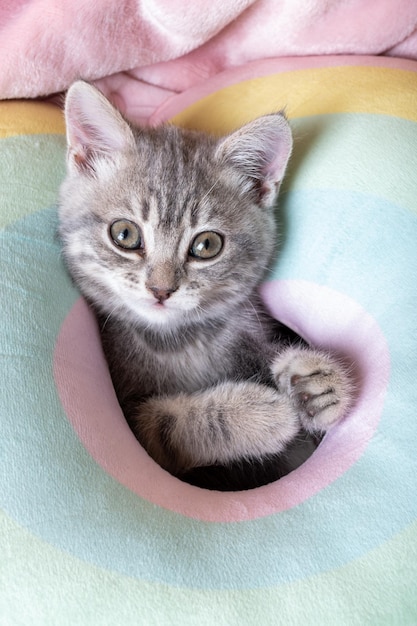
(206, 245)
(126, 234)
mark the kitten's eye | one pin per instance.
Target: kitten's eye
(206, 245)
(126, 234)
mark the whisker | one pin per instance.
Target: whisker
(255, 311)
(107, 318)
(210, 190)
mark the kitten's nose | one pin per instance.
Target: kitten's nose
(161, 293)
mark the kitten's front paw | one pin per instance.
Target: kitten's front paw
(319, 385)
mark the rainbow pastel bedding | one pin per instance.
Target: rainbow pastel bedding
(93, 531)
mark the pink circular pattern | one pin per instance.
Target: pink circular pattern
(321, 315)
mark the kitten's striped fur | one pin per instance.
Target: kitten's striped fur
(204, 375)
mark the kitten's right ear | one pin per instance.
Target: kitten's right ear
(95, 129)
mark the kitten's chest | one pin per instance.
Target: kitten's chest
(144, 370)
(191, 368)
(148, 365)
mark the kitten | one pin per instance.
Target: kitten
(168, 234)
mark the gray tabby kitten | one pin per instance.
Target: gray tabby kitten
(168, 234)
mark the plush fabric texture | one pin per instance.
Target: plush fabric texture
(93, 531)
(143, 52)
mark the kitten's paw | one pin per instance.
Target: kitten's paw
(319, 385)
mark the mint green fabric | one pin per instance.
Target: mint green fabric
(80, 548)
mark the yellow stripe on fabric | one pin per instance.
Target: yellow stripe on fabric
(301, 93)
(30, 118)
(307, 92)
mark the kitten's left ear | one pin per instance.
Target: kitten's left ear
(259, 151)
(95, 129)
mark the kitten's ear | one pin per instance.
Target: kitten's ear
(95, 129)
(259, 151)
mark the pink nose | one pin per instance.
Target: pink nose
(161, 294)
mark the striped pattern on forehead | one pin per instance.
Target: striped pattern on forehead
(176, 172)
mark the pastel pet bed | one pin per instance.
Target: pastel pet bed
(93, 531)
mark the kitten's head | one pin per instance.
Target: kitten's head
(165, 226)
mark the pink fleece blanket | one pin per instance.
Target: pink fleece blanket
(140, 52)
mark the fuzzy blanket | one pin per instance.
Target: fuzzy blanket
(141, 52)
